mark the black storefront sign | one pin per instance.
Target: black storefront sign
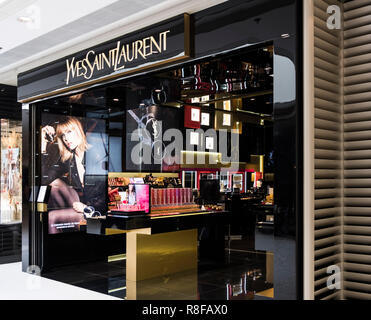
(164, 43)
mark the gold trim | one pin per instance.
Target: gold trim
(116, 290)
(85, 85)
(266, 293)
(110, 232)
(141, 175)
(42, 207)
(117, 257)
(187, 34)
(181, 215)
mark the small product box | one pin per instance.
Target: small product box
(160, 201)
(173, 193)
(189, 195)
(154, 197)
(182, 196)
(177, 197)
(165, 195)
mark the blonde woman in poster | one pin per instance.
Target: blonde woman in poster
(71, 197)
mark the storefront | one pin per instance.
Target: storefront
(187, 130)
(11, 176)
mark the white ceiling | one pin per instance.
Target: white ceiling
(53, 29)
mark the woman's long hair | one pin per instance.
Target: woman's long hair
(73, 124)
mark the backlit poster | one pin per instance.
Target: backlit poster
(74, 163)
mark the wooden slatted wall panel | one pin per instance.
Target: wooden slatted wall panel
(328, 161)
(357, 149)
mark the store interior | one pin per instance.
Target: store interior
(184, 140)
(11, 176)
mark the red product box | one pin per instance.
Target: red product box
(182, 196)
(177, 196)
(154, 197)
(165, 200)
(189, 195)
(165, 197)
(157, 196)
(160, 201)
(172, 195)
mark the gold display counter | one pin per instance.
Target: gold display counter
(158, 246)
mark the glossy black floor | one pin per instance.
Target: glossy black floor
(243, 275)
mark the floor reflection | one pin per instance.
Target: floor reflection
(243, 276)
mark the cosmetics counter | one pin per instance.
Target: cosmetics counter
(162, 222)
(170, 226)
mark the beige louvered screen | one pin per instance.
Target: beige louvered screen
(323, 122)
(357, 149)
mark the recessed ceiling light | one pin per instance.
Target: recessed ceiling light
(285, 35)
(116, 100)
(24, 19)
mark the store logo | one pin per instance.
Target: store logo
(334, 21)
(116, 58)
(334, 281)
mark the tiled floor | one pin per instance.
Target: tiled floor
(17, 285)
(243, 276)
